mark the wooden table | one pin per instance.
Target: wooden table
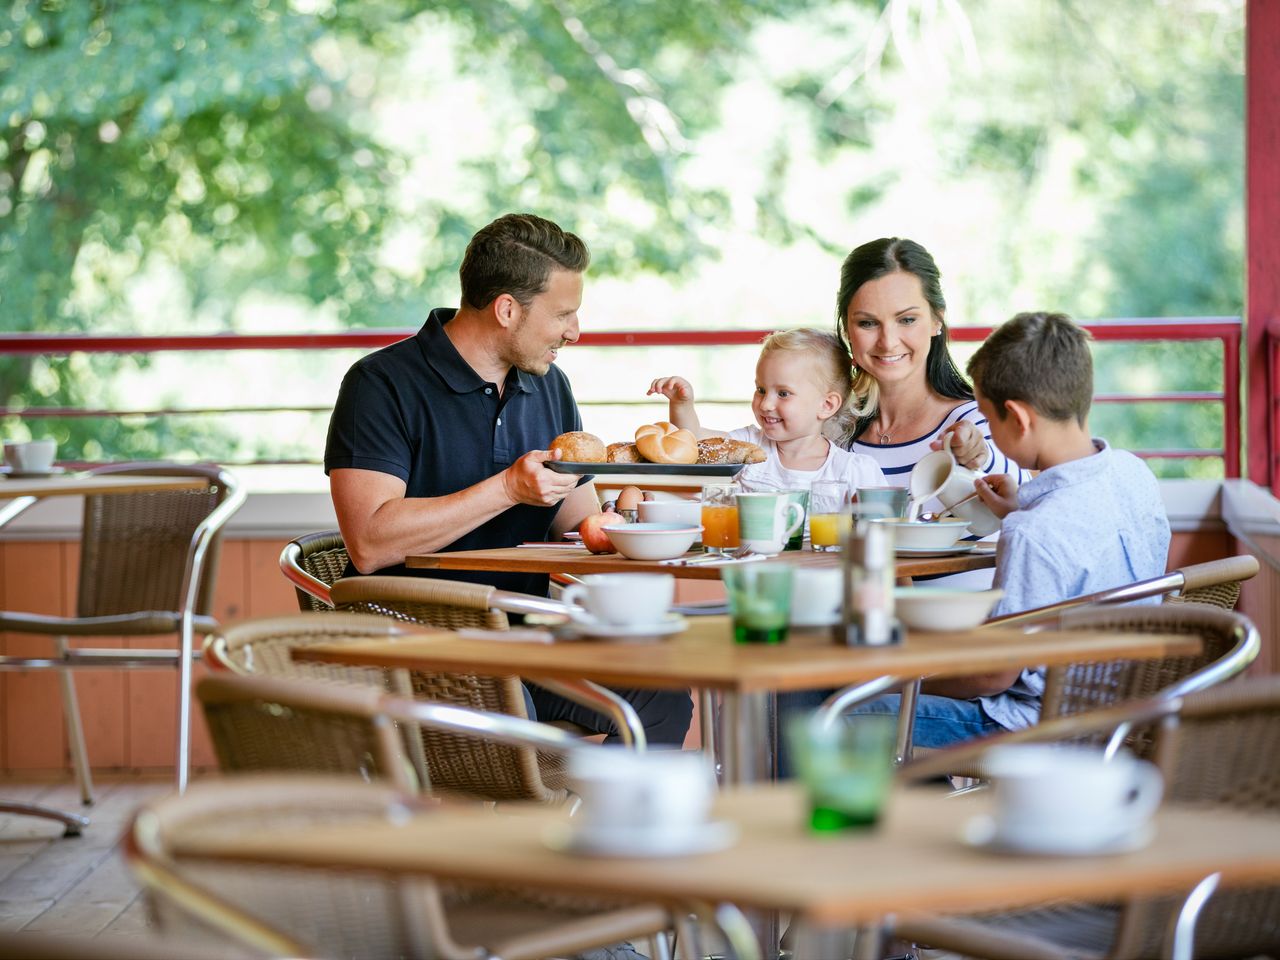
(577, 560)
(705, 656)
(913, 863)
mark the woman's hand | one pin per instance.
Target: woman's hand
(967, 444)
(999, 492)
(675, 389)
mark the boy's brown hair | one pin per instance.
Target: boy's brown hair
(1041, 359)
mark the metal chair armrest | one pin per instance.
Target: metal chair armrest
(842, 701)
(605, 702)
(495, 727)
(291, 567)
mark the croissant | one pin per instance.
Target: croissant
(664, 442)
(725, 450)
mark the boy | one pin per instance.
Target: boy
(1092, 519)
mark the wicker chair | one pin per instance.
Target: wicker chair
(455, 605)
(313, 563)
(292, 911)
(1216, 583)
(1217, 748)
(490, 771)
(147, 567)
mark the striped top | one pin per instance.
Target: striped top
(898, 459)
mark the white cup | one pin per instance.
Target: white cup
(939, 475)
(815, 596)
(30, 456)
(1064, 799)
(662, 791)
(687, 513)
(621, 599)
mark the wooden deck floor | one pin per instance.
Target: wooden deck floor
(77, 886)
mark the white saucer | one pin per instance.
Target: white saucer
(573, 838)
(980, 833)
(953, 551)
(31, 474)
(582, 629)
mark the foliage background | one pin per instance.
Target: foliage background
(308, 165)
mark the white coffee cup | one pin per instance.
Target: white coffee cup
(1068, 799)
(664, 791)
(30, 456)
(815, 596)
(939, 475)
(621, 599)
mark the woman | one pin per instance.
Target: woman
(908, 395)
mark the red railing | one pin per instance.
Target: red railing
(1226, 330)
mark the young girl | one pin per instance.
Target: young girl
(803, 381)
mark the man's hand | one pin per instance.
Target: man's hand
(967, 444)
(999, 492)
(675, 389)
(528, 481)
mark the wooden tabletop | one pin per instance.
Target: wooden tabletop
(87, 484)
(577, 560)
(705, 656)
(913, 863)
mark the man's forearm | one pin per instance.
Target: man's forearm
(404, 526)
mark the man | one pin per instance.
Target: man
(439, 442)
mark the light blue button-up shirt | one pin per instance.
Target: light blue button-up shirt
(1080, 527)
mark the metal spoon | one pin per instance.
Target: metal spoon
(935, 517)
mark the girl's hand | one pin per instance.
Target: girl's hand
(675, 389)
(999, 492)
(967, 444)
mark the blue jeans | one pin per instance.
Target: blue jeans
(940, 721)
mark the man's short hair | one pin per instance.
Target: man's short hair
(1041, 359)
(515, 255)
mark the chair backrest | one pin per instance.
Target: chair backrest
(454, 763)
(290, 724)
(281, 911)
(1229, 643)
(313, 563)
(154, 551)
(1218, 748)
(1216, 582)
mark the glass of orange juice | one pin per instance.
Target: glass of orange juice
(828, 511)
(720, 517)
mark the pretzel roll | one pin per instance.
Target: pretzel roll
(664, 442)
(578, 446)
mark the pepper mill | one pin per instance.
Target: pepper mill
(866, 580)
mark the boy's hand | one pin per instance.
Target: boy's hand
(999, 492)
(967, 443)
(675, 389)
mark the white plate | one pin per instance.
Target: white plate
(980, 833)
(573, 838)
(953, 551)
(581, 629)
(31, 474)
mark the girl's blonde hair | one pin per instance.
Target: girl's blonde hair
(831, 363)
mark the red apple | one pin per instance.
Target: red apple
(592, 531)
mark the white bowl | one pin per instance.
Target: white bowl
(652, 541)
(937, 608)
(918, 535)
(685, 513)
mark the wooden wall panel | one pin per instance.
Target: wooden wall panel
(1260, 602)
(268, 593)
(1200, 546)
(32, 715)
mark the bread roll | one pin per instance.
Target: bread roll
(623, 453)
(664, 442)
(725, 450)
(578, 446)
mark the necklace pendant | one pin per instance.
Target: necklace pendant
(884, 439)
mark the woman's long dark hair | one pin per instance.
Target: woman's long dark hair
(871, 261)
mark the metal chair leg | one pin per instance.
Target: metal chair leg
(75, 729)
(184, 704)
(72, 824)
(1182, 932)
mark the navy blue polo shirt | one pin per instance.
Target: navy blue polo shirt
(418, 411)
